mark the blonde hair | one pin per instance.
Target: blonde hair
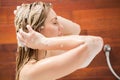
(33, 14)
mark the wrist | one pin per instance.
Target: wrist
(43, 43)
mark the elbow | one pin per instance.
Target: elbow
(100, 43)
(84, 65)
(94, 44)
(77, 29)
(97, 45)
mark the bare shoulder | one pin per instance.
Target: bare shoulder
(26, 70)
(37, 70)
(24, 73)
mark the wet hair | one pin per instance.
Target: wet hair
(33, 14)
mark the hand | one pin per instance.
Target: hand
(31, 39)
(16, 10)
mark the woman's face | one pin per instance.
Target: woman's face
(52, 27)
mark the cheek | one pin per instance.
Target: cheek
(51, 30)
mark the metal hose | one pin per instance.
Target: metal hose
(107, 50)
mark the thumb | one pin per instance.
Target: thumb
(29, 28)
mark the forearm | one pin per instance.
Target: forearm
(69, 42)
(70, 28)
(59, 43)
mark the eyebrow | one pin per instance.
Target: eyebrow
(53, 18)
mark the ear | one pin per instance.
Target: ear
(40, 28)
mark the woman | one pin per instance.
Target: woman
(44, 53)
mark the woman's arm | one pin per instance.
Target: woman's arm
(58, 66)
(36, 40)
(53, 68)
(70, 28)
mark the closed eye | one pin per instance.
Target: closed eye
(55, 23)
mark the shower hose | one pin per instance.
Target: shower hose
(107, 50)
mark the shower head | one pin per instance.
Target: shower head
(107, 48)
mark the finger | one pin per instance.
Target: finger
(29, 28)
(18, 7)
(19, 37)
(15, 12)
(21, 41)
(23, 34)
